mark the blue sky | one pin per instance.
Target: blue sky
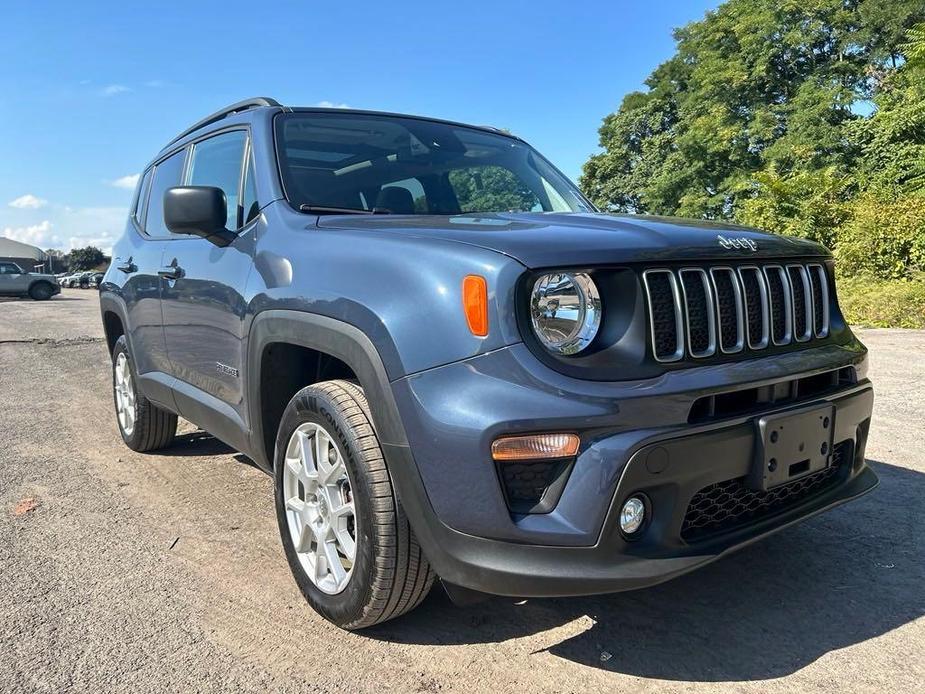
(92, 90)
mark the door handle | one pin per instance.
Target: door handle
(126, 266)
(171, 272)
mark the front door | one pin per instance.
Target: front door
(203, 300)
(12, 279)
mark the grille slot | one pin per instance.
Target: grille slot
(820, 289)
(779, 295)
(802, 304)
(729, 309)
(664, 314)
(756, 307)
(697, 312)
(728, 505)
(698, 309)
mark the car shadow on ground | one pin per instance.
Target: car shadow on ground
(195, 443)
(841, 578)
(202, 444)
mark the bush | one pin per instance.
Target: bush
(883, 304)
(885, 237)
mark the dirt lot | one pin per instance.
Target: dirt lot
(121, 571)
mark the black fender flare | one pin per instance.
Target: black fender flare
(113, 303)
(335, 338)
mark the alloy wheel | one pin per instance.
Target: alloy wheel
(319, 508)
(125, 394)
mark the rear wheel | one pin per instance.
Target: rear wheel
(41, 291)
(346, 537)
(143, 425)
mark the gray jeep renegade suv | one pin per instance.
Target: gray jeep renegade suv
(455, 367)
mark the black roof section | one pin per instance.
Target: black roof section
(265, 101)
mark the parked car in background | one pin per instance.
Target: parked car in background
(79, 280)
(14, 281)
(455, 366)
(96, 279)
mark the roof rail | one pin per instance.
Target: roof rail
(256, 102)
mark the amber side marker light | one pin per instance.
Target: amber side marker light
(535, 447)
(475, 304)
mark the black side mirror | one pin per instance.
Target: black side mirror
(198, 211)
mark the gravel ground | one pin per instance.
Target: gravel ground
(130, 572)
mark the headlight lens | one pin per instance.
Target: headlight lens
(565, 309)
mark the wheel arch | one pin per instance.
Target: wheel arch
(34, 283)
(330, 337)
(113, 313)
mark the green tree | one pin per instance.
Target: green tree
(85, 258)
(757, 86)
(488, 188)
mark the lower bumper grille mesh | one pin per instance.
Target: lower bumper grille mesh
(730, 504)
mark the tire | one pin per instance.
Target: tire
(41, 291)
(144, 426)
(388, 574)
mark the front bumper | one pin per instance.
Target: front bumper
(451, 492)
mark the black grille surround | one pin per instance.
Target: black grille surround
(728, 505)
(701, 312)
(533, 486)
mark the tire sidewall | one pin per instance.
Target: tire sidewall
(310, 405)
(41, 291)
(122, 348)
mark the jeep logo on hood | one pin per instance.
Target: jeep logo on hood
(739, 242)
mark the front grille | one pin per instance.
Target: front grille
(730, 504)
(699, 312)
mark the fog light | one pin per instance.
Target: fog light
(632, 515)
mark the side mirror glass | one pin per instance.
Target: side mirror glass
(197, 211)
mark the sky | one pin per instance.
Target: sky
(92, 90)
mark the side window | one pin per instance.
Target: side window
(9, 269)
(217, 162)
(483, 188)
(167, 174)
(139, 210)
(250, 206)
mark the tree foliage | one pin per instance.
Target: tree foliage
(803, 117)
(85, 258)
(483, 188)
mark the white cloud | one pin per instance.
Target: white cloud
(113, 89)
(331, 104)
(28, 202)
(155, 84)
(40, 234)
(128, 182)
(73, 227)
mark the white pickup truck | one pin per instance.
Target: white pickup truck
(14, 281)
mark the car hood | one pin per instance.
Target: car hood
(547, 239)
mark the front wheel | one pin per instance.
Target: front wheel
(41, 291)
(143, 425)
(346, 537)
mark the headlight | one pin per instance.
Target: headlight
(565, 309)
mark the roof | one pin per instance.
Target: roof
(266, 102)
(15, 249)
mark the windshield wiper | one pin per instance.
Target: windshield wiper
(320, 209)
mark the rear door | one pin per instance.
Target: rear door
(203, 294)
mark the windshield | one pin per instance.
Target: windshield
(365, 163)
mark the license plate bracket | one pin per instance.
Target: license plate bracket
(791, 445)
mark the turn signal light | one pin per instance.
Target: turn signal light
(475, 304)
(535, 447)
